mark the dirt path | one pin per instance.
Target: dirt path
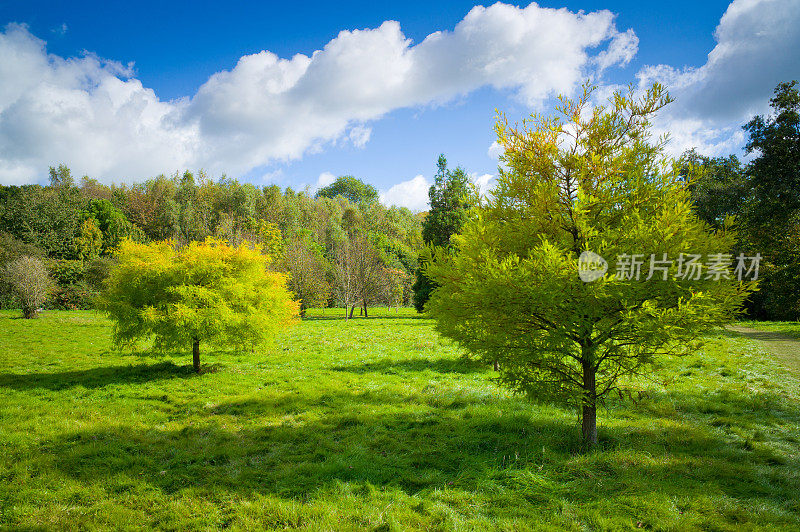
(785, 348)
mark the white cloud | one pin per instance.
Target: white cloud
(324, 179)
(495, 150)
(412, 194)
(484, 182)
(359, 136)
(84, 113)
(95, 117)
(758, 46)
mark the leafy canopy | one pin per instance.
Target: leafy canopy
(206, 291)
(451, 197)
(772, 216)
(591, 179)
(351, 188)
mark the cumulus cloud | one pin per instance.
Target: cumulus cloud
(758, 46)
(324, 179)
(86, 112)
(484, 182)
(412, 194)
(97, 118)
(495, 150)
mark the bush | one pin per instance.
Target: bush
(72, 297)
(29, 278)
(72, 290)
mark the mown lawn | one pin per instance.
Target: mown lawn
(378, 424)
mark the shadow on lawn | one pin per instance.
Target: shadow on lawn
(766, 336)
(356, 319)
(472, 450)
(440, 365)
(96, 377)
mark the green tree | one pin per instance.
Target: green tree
(203, 292)
(61, 177)
(89, 241)
(351, 188)
(718, 186)
(113, 224)
(772, 218)
(774, 173)
(451, 197)
(46, 217)
(591, 179)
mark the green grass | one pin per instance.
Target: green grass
(789, 328)
(377, 424)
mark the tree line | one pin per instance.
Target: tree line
(760, 201)
(340, 246)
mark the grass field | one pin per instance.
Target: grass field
(378, 424)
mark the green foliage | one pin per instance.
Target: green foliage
(587, 180)
(28, 278)
(207, 292)
(308, 273)
(451, 197)
(61, 177)
(775, 172)
(71, 290)
(89, 241)
(423, 285)
(45, 217)
(773, 216)
(377, 424)
(10, 250)
(69, 223)
(718, 186)
(351, 188)
(113, 225)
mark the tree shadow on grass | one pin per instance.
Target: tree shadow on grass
(356, 319)
(97, 377)
(439, 365)
(469, 448)
(765, 336)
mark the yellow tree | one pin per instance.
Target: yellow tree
(589, 182)
(208, 292)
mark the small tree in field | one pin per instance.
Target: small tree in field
(589, 180)
(30, 281)
(207, 292)
(358, 273)
(305, 263)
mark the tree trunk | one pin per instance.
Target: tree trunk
(352, 309)
(365, 310)
(196, 355)
(496, 365)
(589, 414)
(28, 313)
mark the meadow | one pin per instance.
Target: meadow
(380, 424)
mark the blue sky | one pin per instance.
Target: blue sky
(155, 120)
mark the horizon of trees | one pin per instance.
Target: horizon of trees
(76, 227)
